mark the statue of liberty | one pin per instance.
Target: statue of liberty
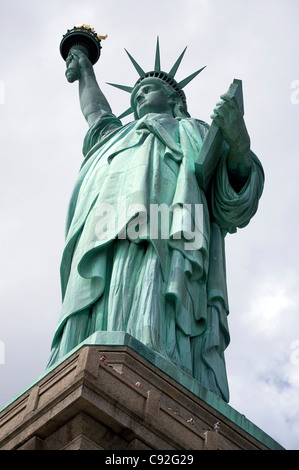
(120, 274)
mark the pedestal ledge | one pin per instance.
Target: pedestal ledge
(123, 397)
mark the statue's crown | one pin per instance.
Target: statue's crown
(157, 73)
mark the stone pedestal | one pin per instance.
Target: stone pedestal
(112, 398)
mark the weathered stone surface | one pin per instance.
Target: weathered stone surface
(111, 398)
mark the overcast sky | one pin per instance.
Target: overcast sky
(42, 131)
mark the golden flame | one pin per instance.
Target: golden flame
(86, 26)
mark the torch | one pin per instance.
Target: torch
(85, 38)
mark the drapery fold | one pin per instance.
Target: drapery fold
(168, 292)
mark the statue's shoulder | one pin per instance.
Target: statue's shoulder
(201, 126)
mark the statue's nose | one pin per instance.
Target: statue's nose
(140, 96)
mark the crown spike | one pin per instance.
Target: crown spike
(158, 74)
(137, 67)
(175, 67)
(128, 89)
(157, 58)
(187, 80)
(126, 113)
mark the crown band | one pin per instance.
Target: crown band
(165, 77)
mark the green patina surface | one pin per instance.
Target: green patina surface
(123, 281)
(123, 267)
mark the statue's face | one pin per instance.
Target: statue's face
(151, 98)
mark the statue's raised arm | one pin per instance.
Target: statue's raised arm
(92, 101)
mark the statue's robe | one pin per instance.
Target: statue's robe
(117, 276)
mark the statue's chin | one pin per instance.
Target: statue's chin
(72, 74)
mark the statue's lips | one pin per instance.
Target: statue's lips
(141, 103)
